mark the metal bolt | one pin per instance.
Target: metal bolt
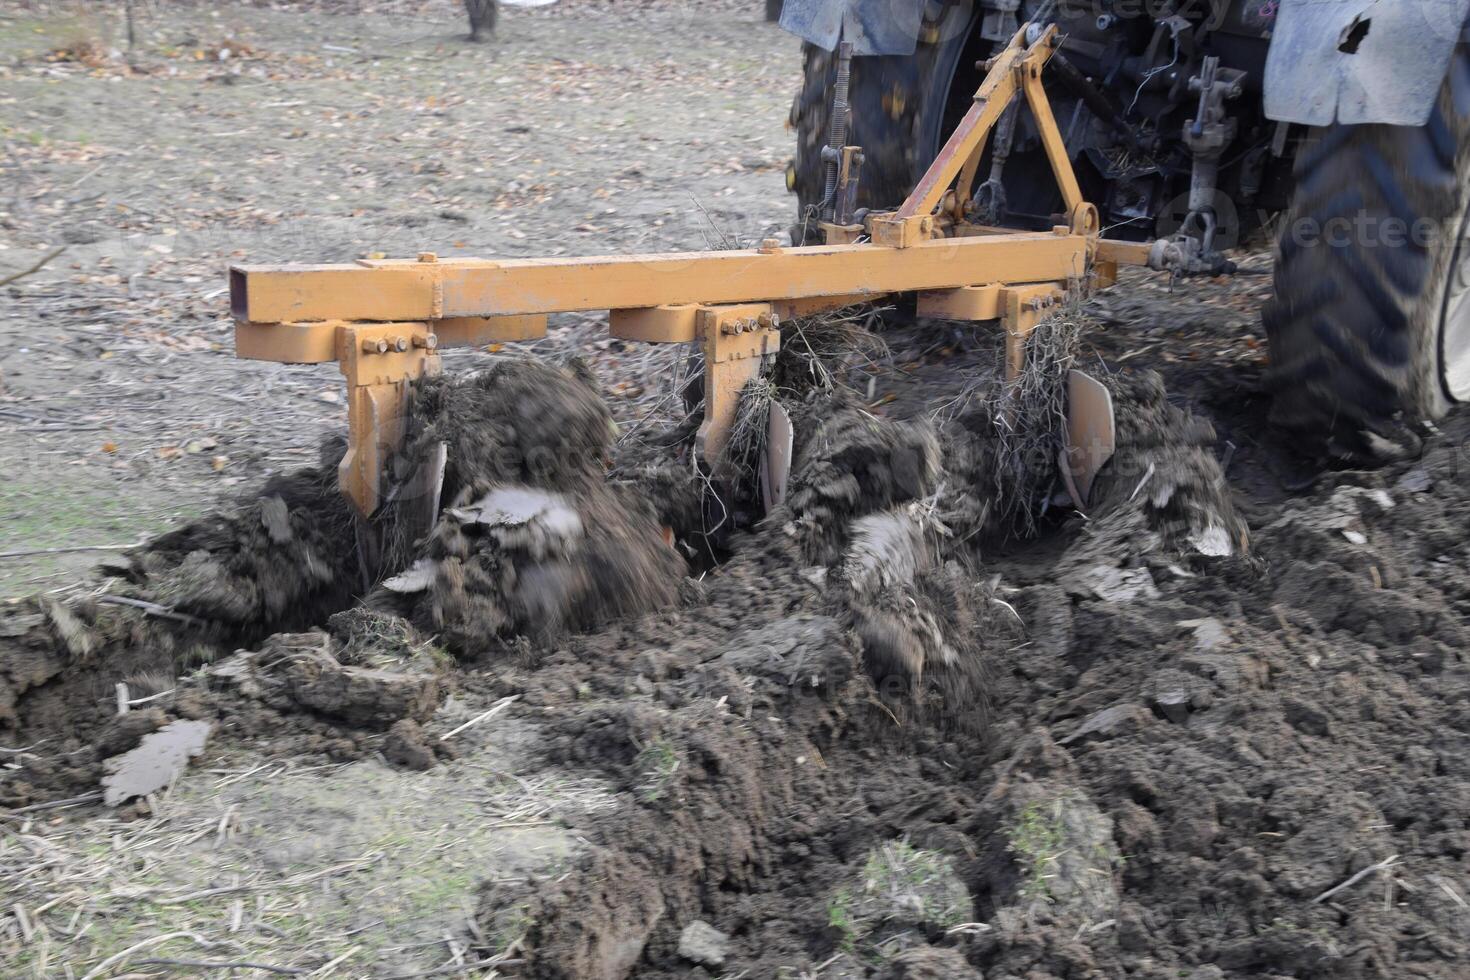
(769, 246)
(766, 321)
(400, 344)
(378, 346)
(427, 341)
(428, 257)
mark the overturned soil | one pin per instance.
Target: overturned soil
(1195, 731)
(926, 720)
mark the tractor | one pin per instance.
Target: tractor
(1340, 126)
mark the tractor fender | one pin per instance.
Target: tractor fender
(873, 26)
(1359, 61)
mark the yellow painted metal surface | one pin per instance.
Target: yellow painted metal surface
(410, 291)
(378, 385)
(292, 343)
(471, 331)
(735, 346)
(656, 324)
(965, 303)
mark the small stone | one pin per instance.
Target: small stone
(1120, 719)
(1416, 480)
(1118, 584)
(701, 942)
(1208, 633)
(1173, 705)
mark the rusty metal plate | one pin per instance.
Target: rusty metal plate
(1091, 435)
(776, 466)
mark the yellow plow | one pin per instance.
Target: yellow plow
(384, 321)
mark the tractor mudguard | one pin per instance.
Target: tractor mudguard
(1359, 61)
(873, 26)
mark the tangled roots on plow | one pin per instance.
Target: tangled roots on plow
(1006, 436)
(811, 345)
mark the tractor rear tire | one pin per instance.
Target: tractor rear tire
(1369, 329)
(899, 110)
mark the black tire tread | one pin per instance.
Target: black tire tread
(892, 100)
(1354, 325)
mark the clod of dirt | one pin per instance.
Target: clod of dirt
(407, 746)
(357, 695)
(536, 541)
(1163, 487)
(702, 943)
(521, 421)
(30, 657)
(155, 762)
(921, 622)
(595, 923)
(303, 669)
(562, 565)
(850, 464)
(127, 730)
(902, 892)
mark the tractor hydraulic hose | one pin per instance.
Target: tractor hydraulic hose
(1094, 98)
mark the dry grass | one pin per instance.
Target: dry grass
(1028, 416)
(748, 434)
(663, 376)
(811, 344)
(333, 871)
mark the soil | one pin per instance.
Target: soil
(920, 721)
